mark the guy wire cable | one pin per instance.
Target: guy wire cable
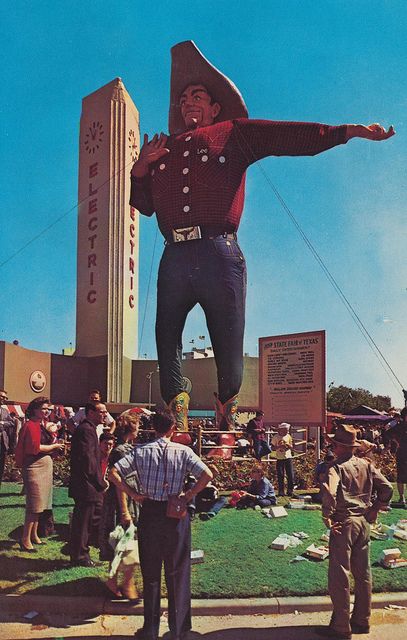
(370, 341)
(362, 328)
(148, 289)
(61, 217)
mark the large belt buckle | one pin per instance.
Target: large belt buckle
(186, 233)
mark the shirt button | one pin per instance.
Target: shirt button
(204, 158)
(186, 208)
(185, 171)
(222, 159)
(162, 166)
(186, 154)
(188, 138)
(185, 190)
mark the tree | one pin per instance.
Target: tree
(343, 399)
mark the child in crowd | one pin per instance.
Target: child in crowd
(259, 493)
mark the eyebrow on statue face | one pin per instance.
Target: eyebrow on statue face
(194, 92)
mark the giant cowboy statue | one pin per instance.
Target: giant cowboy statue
(194, 181)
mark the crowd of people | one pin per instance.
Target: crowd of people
(116, 481)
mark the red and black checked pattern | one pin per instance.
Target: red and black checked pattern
(201, 181)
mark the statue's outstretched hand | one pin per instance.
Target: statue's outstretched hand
(150, 152)
(377, 132)
(371, 132)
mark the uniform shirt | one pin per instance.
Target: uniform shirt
(161, 467)
(201, 181)
(278, 442)
(348, 488)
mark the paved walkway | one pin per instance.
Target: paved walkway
(386, 625)
(257, 619)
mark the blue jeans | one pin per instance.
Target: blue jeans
(212, 273)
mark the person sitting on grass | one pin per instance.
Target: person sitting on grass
(260, 492)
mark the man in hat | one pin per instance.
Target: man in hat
(194, 181)
(347, 510)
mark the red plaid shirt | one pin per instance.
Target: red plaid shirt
(201, 181)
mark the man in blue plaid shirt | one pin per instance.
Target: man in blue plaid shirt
(161, 467)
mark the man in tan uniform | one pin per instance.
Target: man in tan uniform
(347, 511)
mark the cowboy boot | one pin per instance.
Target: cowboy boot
(179, 407)
(226, 413)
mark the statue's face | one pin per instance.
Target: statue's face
(197, 108)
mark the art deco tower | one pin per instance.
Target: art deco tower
(108, 236)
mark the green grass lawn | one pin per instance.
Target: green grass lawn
(238, 562)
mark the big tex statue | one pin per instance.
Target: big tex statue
(194, 181)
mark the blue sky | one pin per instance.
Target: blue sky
(321, 60)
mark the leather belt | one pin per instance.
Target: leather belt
(197, 232)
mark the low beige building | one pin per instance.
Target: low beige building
(26, 374)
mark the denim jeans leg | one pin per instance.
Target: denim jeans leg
(174, 301)
(222, 294)
(289, 468)
(280, 476)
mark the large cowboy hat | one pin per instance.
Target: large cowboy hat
(188, 67)
(345, 435)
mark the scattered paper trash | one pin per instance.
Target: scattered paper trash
(391, 559)
(301, 535)
(299, 559)
(401, 534)
(280, 543)
(325, 536)
(31, 614)
(319, 553)
(278, 512)
(197, 556)
(296, 503)
(285, 540)
(394, 606)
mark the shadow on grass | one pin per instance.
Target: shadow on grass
(90, 586)
(12, 506)
(26, 567)
(8, 494)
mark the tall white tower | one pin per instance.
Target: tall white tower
(108, 236)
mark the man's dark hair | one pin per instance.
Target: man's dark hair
(95, 391)
(403, 413)
(105, 435)
(91, 406)
(259, 413)
(162, 422)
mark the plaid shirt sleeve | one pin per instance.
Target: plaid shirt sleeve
(195, 466)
